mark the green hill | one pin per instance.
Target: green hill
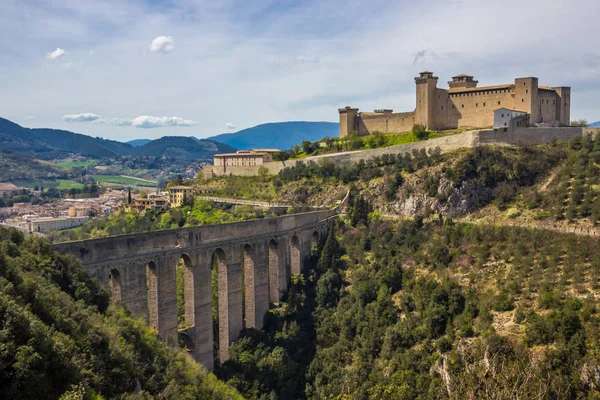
(50, 144)
(279, 135)
(58, 334)
(182, 147)
(53, 143)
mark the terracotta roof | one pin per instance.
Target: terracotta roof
(426, 72)
(479, 89)
(240, 154)
(546, 88)
(462, 75)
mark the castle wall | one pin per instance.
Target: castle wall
(476, 109)
(386, 123)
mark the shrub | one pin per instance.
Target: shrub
(420, 131)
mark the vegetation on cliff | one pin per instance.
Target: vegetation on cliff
(59, 337)
(552, 185)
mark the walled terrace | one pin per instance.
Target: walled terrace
(254, 260)
(469, 139)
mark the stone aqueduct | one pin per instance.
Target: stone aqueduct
(140, 271)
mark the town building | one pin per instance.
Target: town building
(244, 158)
(8, 189)
(155, 203)
(179, 195)
(47, 224)
(464, 104)
(507, 118)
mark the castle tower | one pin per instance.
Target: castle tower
(426, 87)
(462, 81)
(563, 105)
(526, 97)
(347, 121)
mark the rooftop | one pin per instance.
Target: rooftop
(180, 187)
(479, 89)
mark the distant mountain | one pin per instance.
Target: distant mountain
(53, 143)
(50, 144)
(279, 135)
(183, 147)
(138, 142)
(594, 125)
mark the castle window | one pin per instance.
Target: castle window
(547, 101)
(523, 83)
(453, 106)
(442, 107)
(526, 90)
(463, 106)
(502, 115)
(498, 102)
(484, 104)
(522, 100)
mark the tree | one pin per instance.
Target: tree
(129, 196)
(579, 123)
(307, 146)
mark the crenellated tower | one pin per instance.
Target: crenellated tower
(426, 87)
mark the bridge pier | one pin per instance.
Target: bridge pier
(203, 321)
(167, 298)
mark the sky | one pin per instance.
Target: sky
(131, 69)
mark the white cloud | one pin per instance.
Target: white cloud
(143, 121)
(29, 117)
(149, 122)
(53, 55)
(85, 117)
(229, 125)
(162, 44)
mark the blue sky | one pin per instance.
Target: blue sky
(145, 69)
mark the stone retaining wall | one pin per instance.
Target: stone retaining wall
(499, 137)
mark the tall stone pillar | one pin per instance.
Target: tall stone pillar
(261, 284)
(235, 300)
(167, 298)
(203, 322)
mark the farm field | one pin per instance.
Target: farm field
(58, 184)
(124, 180)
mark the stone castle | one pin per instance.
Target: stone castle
(464, 104)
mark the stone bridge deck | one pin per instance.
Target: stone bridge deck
(254, 261)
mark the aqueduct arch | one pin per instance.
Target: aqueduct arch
(252, 263)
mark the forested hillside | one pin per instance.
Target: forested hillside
(59, 337)
(430, 309)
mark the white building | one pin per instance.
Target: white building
(47, 224)
(506, 117)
